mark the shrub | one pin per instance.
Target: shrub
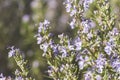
(92, 50)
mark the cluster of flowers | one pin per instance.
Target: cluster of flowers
(22, 72)
(93, 52)
(4, 78)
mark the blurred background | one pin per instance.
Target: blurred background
(18, 25)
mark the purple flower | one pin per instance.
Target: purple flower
(46, 23)
(89, 35)
(43, 26)
(63, 50)
(50, 70)
(17, 72)
(111, 42)
(98, 77)
(82, 62)
(68, 5)
(55, 49)
(117, 68)
(40, 27)
(51, 34)
(110, 46)
(70, 47)
(88, 75)
(44, 47)
(72, 24)
(108, 50)
(87, 25)
(78, 43)
(19, 78)
(86, 4)
(115, 31)
(100, 63)
(11, 52)
(62, 67)
(73, 12)
(100, 69)
(39, 39)
(2, 77)
(115, 63)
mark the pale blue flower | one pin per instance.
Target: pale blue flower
(11, 52)
(108, 50)
(39, 39)
(55, 49)
(78, 44)
(2, 77)
(40, 27)
(110, 46)
(72, 23)
(44, 47)
(98, 77)
(19, 78)
(46, 23)
(86, 4)
(88, 75)
(115, 63)
(100, 63)
(87, 25)
(17, 72)
(111, 42)
(89, 35)
(68, 5)
(43, 26)
(70, 46)
(62, 67)
(73, 11)
(81, 64)
(115, 31)
(63, 50)
(118, 68)
(100, 69)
